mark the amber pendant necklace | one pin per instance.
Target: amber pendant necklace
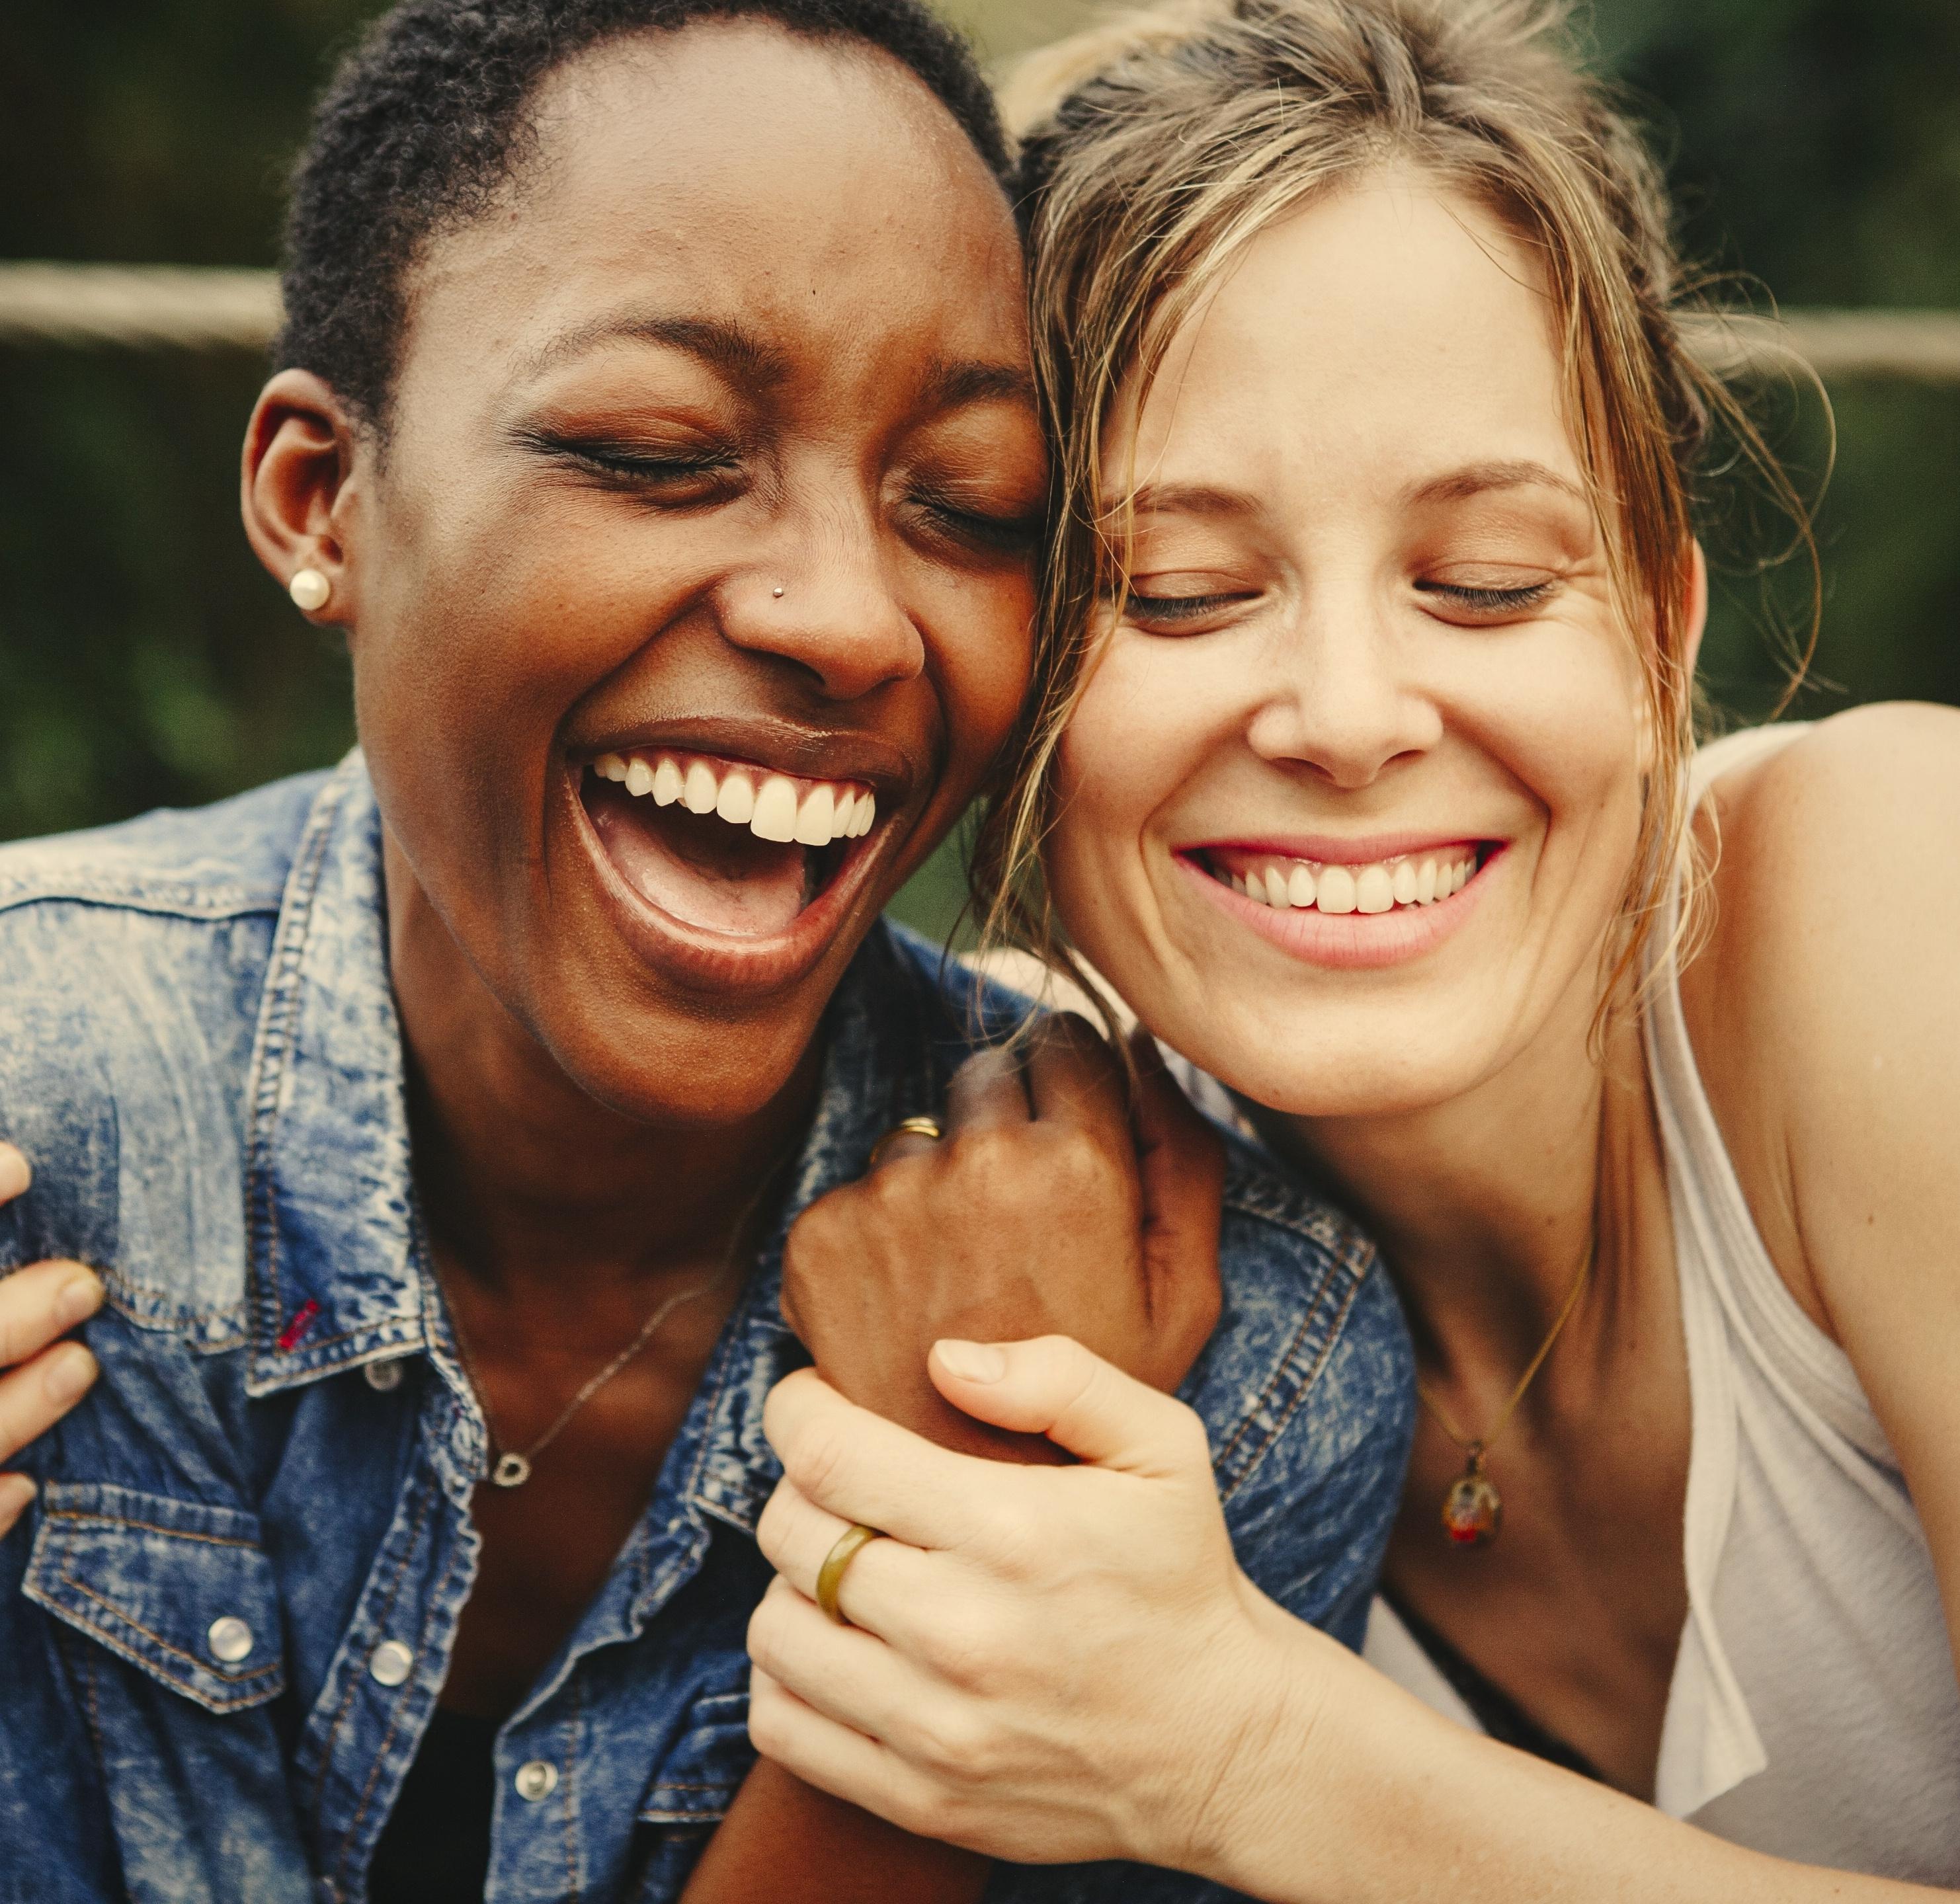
(1473, 1510)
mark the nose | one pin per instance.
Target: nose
(822, 599)
(1343, 699)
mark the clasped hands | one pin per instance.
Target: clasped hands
(1043, 1663)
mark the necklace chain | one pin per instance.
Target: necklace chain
(1477, 1447)
(513, 1467)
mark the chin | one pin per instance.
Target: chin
(673, 1068)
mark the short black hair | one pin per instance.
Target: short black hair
(425, 120)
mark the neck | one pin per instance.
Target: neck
(528, 1183)
(1486, 1204)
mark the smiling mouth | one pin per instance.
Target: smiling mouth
(1405, 882)
(723, 845)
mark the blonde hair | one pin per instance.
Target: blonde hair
(1157, 146)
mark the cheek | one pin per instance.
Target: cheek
(1139, 734)
(980, 644)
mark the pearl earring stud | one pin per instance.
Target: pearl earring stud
(309, 589)
(777, 593)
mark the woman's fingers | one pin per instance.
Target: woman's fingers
(38, 1393)
(45, 1377)
(830, 1756)
(882, 1581)
(1182, 1159)
(987, 1092)
(16, 1494)
(846, 1674)
(862, 1467)
(42, 1302)
(1054, 1387)
(1073, 1077)
(1180, 1163)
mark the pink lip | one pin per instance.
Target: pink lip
(1344, 941)
(1328, 849)
(700, 959)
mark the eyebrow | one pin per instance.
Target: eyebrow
(950, 383)
(739, 354)
(1477, 478)
(1191, 499)
(742, 356)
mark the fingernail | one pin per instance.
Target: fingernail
(16, 1494)
(973, 1361)
(68, 1375)
(14, 1174)
(81, 1297)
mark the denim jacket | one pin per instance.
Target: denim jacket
(224, 1622)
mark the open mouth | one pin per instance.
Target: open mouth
(1405, 882)
(723, 845)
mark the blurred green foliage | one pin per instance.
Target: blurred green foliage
(145, 658)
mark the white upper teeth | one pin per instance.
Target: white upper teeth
(1300, 885)
(773, 806)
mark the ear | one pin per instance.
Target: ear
(1695, 619)
(294, 488)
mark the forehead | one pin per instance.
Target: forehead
(815, 193)
(1388, 323)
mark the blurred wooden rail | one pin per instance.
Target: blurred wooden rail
(165, 307)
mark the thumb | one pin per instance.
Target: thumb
(1054, 1387)
(1180, 1163)
(1181, 1176)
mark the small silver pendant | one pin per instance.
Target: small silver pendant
(511, 1470)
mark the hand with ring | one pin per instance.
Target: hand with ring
(1047, 1199)
(981, 1681)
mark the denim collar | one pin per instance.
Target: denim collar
(337, 1277)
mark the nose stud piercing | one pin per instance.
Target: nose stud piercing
(309, 589)
(777, 593)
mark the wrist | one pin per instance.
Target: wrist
(1269, 1707)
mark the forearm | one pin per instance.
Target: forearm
(1354, 1792)
(789, 1842)
(784, 1841)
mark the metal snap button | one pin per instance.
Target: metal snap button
(385, 1375)
(390, 1663)
(536, 1778)
(229, 1639)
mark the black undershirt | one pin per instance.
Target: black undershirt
(435, 1847)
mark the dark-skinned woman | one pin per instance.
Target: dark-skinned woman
(653, 418)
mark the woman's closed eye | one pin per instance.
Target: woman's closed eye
(1485, 603)
(697, 473)
(988, 531)
(1160, 606)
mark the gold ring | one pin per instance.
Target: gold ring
(850, 1544)
(905, 1127)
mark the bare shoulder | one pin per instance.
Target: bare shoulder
(1824, 862)
(1824, 1008)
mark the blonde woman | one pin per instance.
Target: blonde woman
(1364, 772)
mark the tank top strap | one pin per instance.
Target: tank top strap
(1718, 1244)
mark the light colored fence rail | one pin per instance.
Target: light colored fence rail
(164, 307)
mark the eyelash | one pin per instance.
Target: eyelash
(631, 467)
(1177, 608)
(1489, 601)
(1000, 535)
(1172, 610)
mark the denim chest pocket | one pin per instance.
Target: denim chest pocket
(697, 1782)
(181, 1590)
